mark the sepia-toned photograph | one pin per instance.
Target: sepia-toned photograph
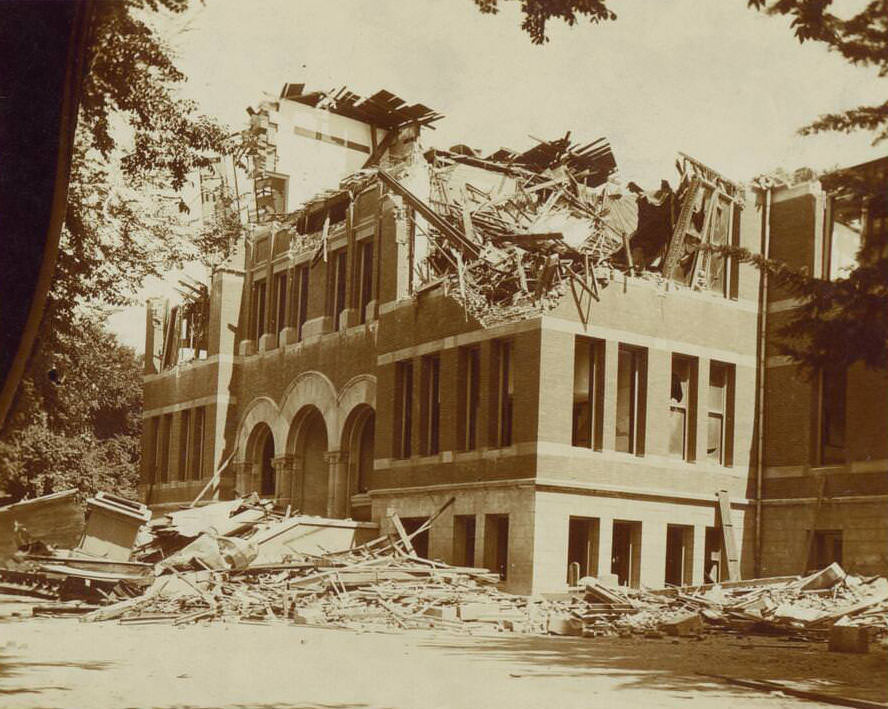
(432, 354)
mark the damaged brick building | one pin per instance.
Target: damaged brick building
(522, 334)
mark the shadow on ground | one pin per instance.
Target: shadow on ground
(680, 665)
(270, 706)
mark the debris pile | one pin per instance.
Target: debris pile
(246, 561)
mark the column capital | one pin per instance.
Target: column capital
(282, 461)
(337, 456)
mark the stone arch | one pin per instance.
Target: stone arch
(258, 460)
(307, 446)
(260, 410)
(311, 389)
(357, 448)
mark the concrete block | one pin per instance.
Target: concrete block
(310, 616)
(564, 624)
(442, 612)
(683, 625)
(474, 611)
(289, 335)
(268, 341)
(848, 638)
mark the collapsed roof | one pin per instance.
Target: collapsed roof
(510, 233)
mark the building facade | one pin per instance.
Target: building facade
(338, 373)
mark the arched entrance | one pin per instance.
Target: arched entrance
(358, 447)
(309, 438)
(259, 456)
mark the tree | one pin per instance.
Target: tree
(80, 424)
(76, 417)
(845, 320)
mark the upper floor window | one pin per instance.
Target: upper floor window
(431, 404)
(588, 393)
(470, 395)
(162, 456)
(857, 218)
(720, 415)
(403, 409)
(682, 407)
(504, 393)
(299, 299)
(833, 390)
(257, 309)
(336, 285)
(366, 278)
(279, 306)
(631, 399)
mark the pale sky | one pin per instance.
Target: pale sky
(711, 78)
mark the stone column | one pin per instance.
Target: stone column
(297, 488)
(605, 544)
(242, 475)
(283, 470)
(336, 483)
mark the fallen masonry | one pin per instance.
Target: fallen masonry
(245, 561)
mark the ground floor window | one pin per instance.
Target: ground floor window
(464, 528)
(496, 544)
(626, 553)
(826, 548)
(582, 548)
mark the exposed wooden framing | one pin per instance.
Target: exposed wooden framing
(681, 227)
(427, 213)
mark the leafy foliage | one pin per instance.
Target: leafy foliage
(76, 417)
(839, 322)
(538, 12)
(78, 425)
(861, 38)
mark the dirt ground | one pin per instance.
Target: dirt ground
(65, 663)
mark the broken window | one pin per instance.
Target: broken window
(257, 309)
(470, 369)
(403, 409)
(720, 415)
(299, 300)
(464, 527)
(844, 238)
(366, 278)
(431, 404)
(588, 393)
(279, 311)
(682, 407)
(496, 544)
(712, 555)
(504, 393)
(336, 286)
(833, 385)
(631, 397)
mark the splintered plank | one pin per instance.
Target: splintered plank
(402, 533)
(727, 525)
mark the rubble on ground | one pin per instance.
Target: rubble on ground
(246, 561)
